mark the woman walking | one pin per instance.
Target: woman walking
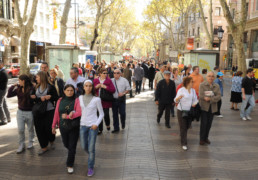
(177, 79)
(45, 97)
(186, 98)
(67, 118)
(103, 83)
(23, 90)
(90, 104)
(236, 92)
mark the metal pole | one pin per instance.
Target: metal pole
(75, 23)
(219, 49)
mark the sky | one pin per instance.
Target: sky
(138, 5)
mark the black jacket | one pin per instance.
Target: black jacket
(146, 70)
(51, 91)
(152, 72)
(3, 80)
(165, 93)
(60, 84)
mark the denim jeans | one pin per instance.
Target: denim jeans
(25, 117)
(138, 86)
(118, 107)
(88, 140)
(248, 99)
(4, 112)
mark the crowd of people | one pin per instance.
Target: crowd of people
(78, 106)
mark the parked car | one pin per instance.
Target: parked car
(34, 68)
(12, 70)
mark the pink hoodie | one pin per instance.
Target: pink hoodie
(77, 109)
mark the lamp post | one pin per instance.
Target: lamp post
(220, 36)
(170, 49)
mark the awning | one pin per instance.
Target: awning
(15, 41)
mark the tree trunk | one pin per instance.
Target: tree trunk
(63, 22)
(241, 62)
(25, 46)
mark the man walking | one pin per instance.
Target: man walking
(159, 76)
(119, 104)
(128, 75)
(76, 81)
(138, 75)
(197, 78)
(209, 96)
(247, 96)
(164, 97)
(151, 76)
(4, 112)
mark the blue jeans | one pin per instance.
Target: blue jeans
(118, 107)
(25, 117)
(88, 140)
(248, 99)
(138, 86)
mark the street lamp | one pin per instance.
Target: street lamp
(220, 36)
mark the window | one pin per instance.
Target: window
(189, 34)
(233, 13)
(256, 6)
(217, 11)
(215, 32)
(193, 32)
(245, 37)
(198, 31)
(13, 49)
(198, 45)
(1, 9)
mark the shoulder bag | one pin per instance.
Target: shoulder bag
(105, 95)
(122, 98)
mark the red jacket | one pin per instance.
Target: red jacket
(110, 88)
(77, 109)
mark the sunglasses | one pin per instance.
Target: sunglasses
(104, 73)
(116, 73)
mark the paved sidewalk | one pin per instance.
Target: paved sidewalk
(144, 150)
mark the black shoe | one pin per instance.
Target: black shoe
(168, 126)
(123, 126)
(131, 96)
(9, 121)
(158, 121)
(115, 131)
(108, 128)
(173, 115)
(3, 123)
(100, 132)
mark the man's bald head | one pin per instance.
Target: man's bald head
(210, 77)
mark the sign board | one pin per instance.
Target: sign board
(173, 53)
(190, 44)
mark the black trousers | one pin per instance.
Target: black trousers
(184, 125)
(151, 84)
(70, 139)
(219, 107)
(43, 127)
(167, 108)
(106, 118)
(206, 122)
(131, 91)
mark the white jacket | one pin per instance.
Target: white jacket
(89, 113)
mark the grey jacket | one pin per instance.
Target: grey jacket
(205, 86)
(138, 73)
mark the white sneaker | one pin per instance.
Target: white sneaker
(184, 148)
(30, 145)
(70, 170)
(249, 118)
(244, 119)
(220, 116)
(20, 149)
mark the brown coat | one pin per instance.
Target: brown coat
(205, 86)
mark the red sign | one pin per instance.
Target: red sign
(190, 44)
(157, 53)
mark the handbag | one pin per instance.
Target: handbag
(69, 124)
(105, 95)
(39, 108)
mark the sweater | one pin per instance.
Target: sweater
(165, 93)
(110, 88)
(77, 109)
(3, 80)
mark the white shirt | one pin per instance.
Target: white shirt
(122, 85)
(188, 100)
(89, 113)
(74, 83)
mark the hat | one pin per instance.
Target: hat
(220, 74)
(167, 72)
